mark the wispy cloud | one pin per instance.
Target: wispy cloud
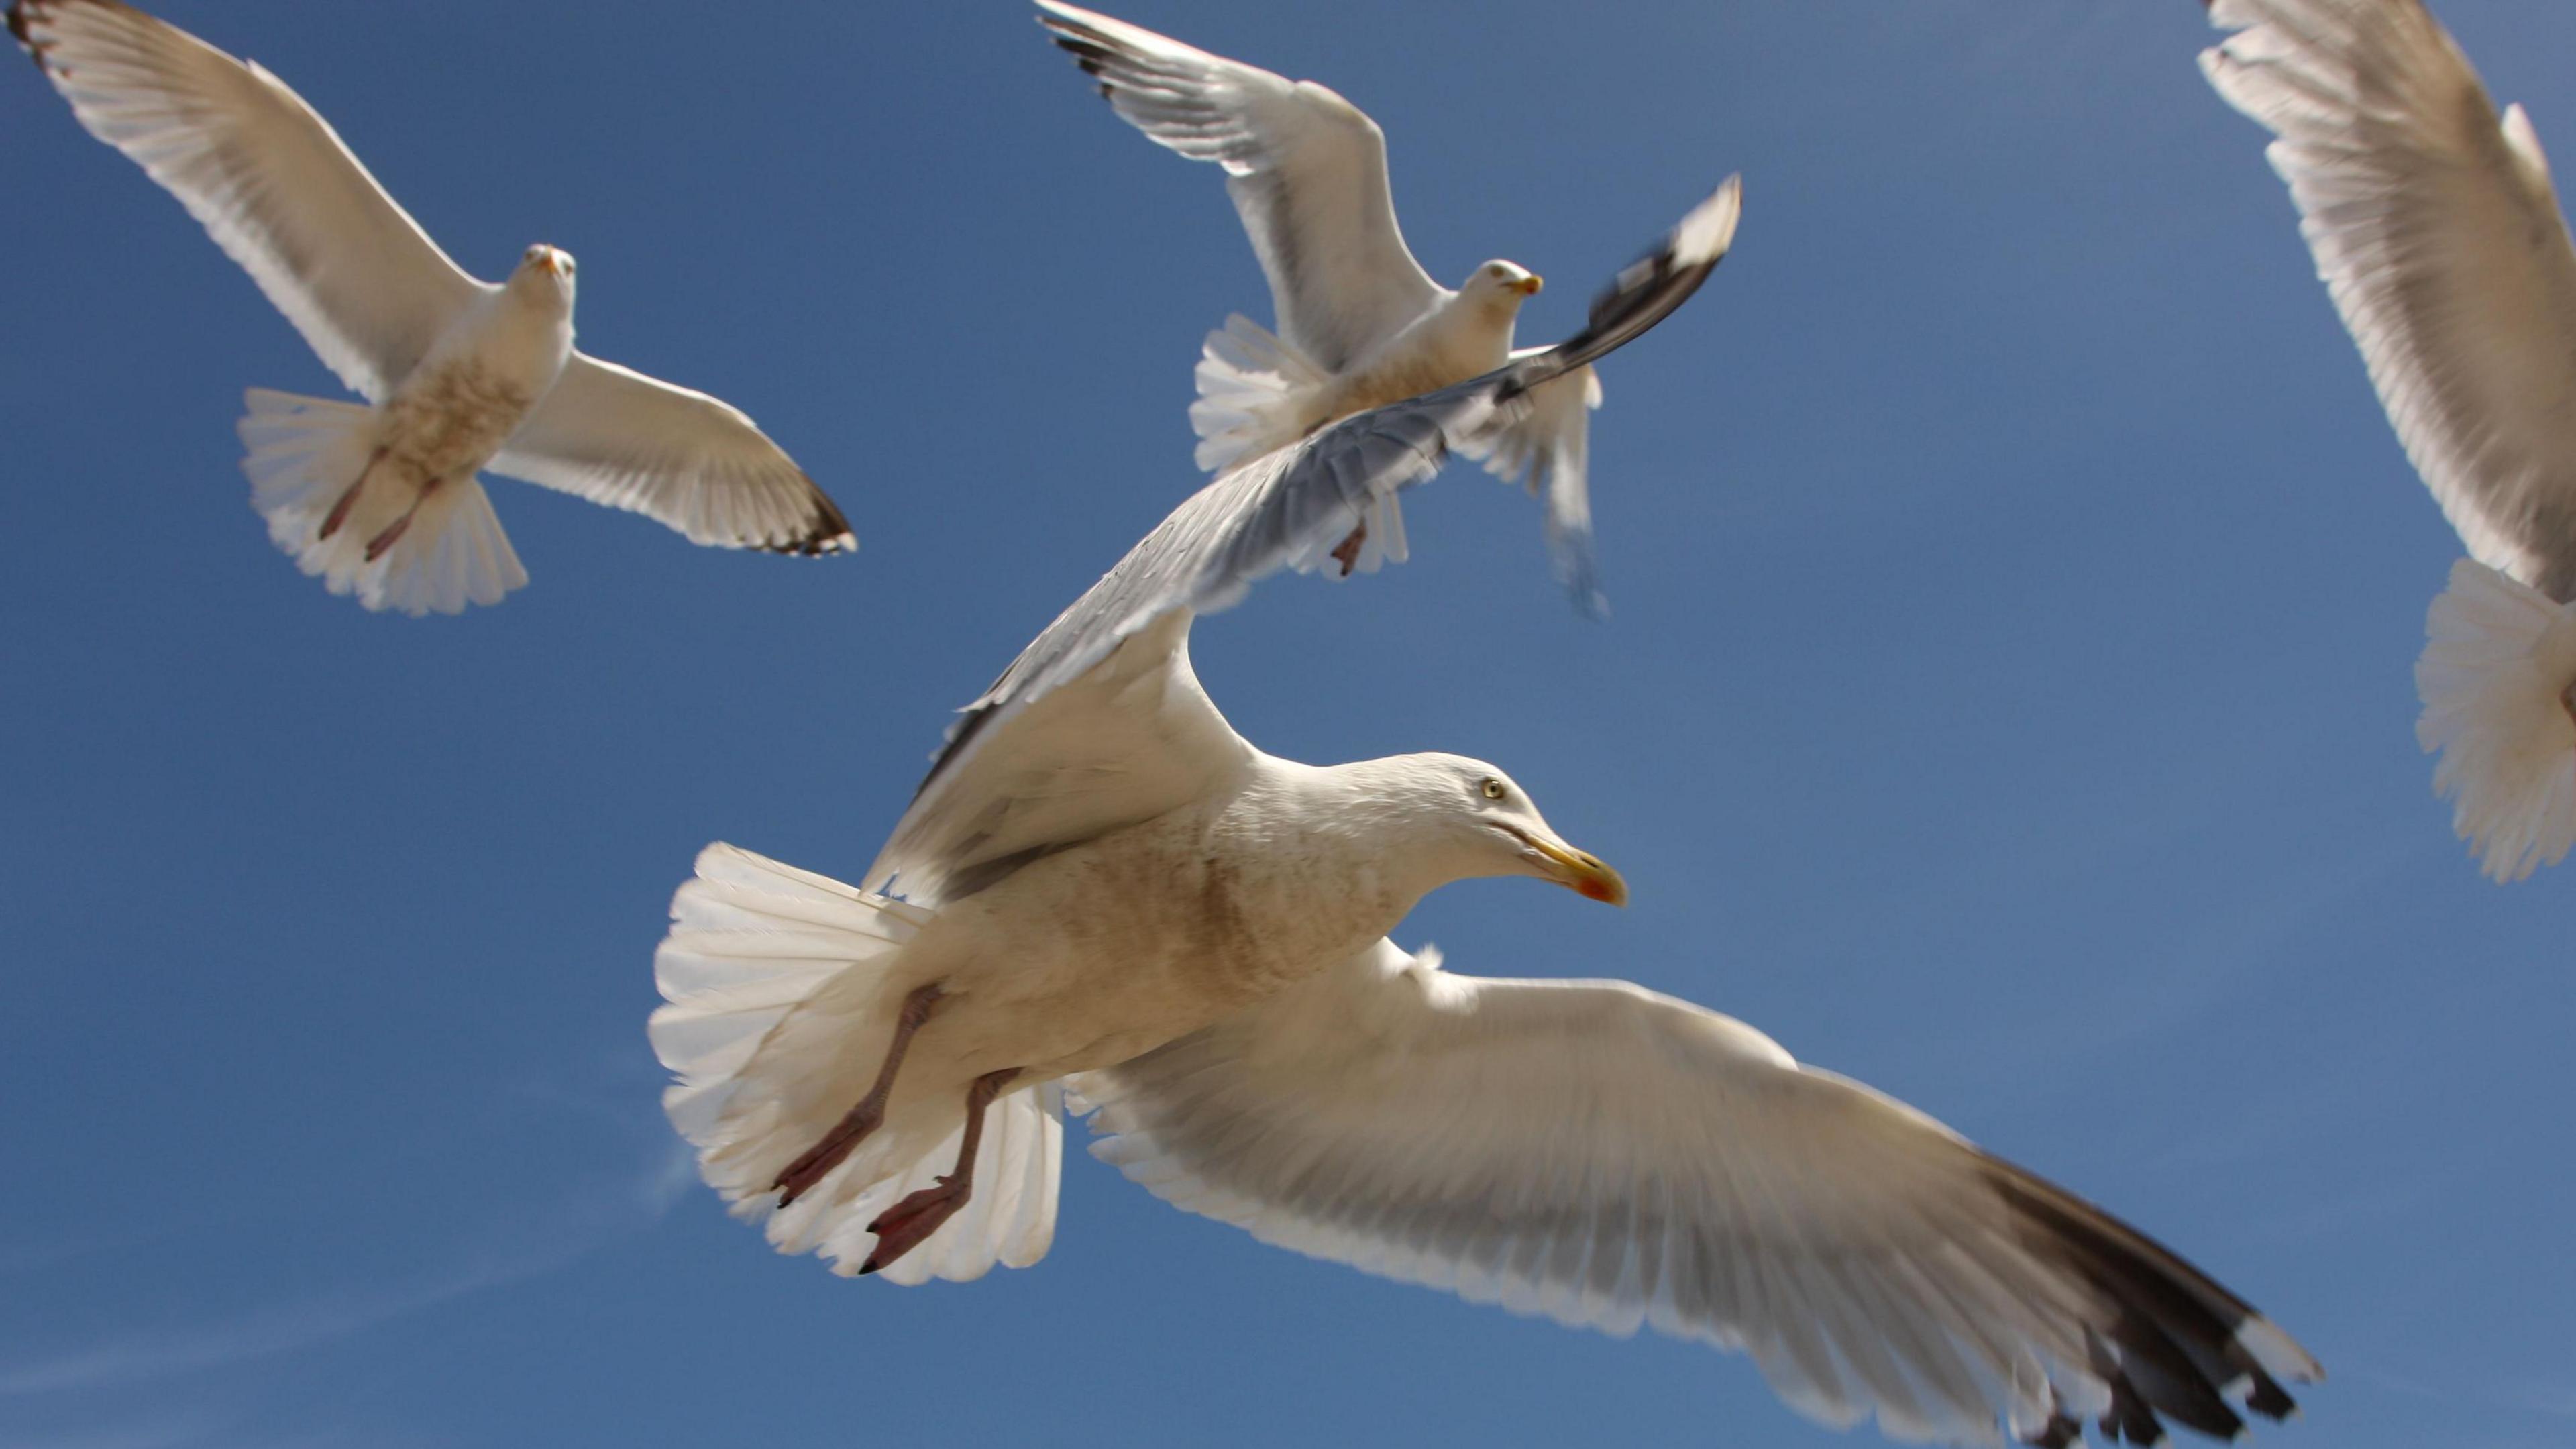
(580, 1226)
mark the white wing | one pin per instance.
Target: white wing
(2435, 226)
(1611, 1157)
(614, 436)
(1306, 168)
(1549, 452)
(269, 179)
(1100, 723)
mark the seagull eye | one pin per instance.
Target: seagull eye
(1496, 789)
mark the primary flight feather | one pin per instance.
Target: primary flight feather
(462, 375)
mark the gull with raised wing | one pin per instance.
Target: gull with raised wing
(1361, 324)
(461, 375)
(1103, 894)
(2436, 230)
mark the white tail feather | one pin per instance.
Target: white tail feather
(2498, 662)
(304, 454)
(781, 989)
(1254, 394)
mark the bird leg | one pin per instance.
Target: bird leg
(797, 1177)
(339, 513)
(903, 1227)
(1347, 552)
(377, 545)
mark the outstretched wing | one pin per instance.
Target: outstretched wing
(1306, 168)
(614, 436)
(2434, 225)
(1100, 723)
(269, 179)
(1612, 1157)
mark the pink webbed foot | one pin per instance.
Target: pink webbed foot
(909, 1223)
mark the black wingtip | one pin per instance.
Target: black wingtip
(18, 28)
(1646, 291)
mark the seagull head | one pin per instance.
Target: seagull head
(546, 269)
(1503, 283)
(1459, 819)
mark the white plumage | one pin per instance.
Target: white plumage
(2437, 231)
(1611, 1157)
(1096, 865)
(382, 501)
(1361, 324)
(1114, 889)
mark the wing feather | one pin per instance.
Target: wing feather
(268, 178)
(2435, 227)
(1605, 1155)
(1306, 169)
(616, 437)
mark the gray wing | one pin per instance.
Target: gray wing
(1327, 500)
(1410, 1122)
(267, 177)
(2435, 227)
(1306, 168)
(616, 437)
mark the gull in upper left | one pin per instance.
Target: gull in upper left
(461, 375)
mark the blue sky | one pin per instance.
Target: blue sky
(2007, 701)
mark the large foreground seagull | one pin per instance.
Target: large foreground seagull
(1361, 324)
(1108, 897)
(2437, 231)
(382, 501)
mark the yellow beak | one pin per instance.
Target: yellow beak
(1583, 873)
(1529, 286)
(552, 260)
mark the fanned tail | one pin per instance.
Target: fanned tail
(2495, 676)
(305, 455)
(781, 998)
(1253, 393)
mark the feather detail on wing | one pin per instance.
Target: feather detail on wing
(270, 180)
(2435, 227)
(1306, 168)
(616, 437)
(1610, 1158)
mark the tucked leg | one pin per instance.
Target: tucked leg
(377, 545)
(1347, 552)
(339, 513)
(800, 1175)
(903, 1227)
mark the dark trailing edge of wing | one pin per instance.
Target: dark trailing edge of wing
(2174, 1347)
(1645, 292)
(827, 533)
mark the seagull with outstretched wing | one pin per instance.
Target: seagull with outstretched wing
(461, 375)
(1361, 324)
(2436, 230)
(1105, 895)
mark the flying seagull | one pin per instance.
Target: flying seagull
(462, 375)
(1109, 897)
(1361, 324)
(2436, 230)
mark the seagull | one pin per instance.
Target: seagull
(2436, 230)
(1106, 899)
(460, 375)
(1361, 324)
